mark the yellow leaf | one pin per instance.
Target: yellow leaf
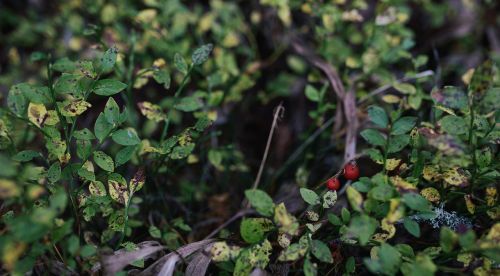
(159, 63)
(456, 177)
(146, 16)
(11, 253)
(205, 22)
(402, 184)
(468, 76)
(355, 198)
(117, 187)
(465, 258)
(97, 188)
(389, 231)
(8, 189)
(37, 114)
(231, 40)
(391, 99)
(491, 196)
(286, 222)
(431, 194)
(75, 108)
(52, 118)
(431, 173)
(35, 191)
(151, 111)
(471, 207)
(494, 213)
(222, 252)
(392, 164)
(396, 211)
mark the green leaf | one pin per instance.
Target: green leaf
(310, 268)
(180, 63)
(154, 232)
(345, 214)
(398, 142)
(309, 196)
(126, 137)
(468, 240)
(54, 172)
(84, 134)
(112, 112)
(412, 227)
(16, 101)
(481, 79)
(350, 265)
(390, 259)
(67, 84)
(416, 202)
(321, 251)
(362, 227)
(405, 88)
(450, 97)
(312, 93)
(378, 116)
(64, 65)
(102, 128)
(253, 230)
(108, 60)
(447, 239)
(104, 161)
(124, 155)
(189, 104)
(453, 124)
(26, 155)
(108, 87)
(261, 201)
(403, 125)
(373, 137)
(162, 77)
(335, 220)
(201, 54)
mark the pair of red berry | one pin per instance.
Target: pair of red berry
(351, 172)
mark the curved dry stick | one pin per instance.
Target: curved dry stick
(348, 99)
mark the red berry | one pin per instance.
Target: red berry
(333, 184)
(351, 171)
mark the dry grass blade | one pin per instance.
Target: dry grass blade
(166, 264)
(111, 264)
(198, 265)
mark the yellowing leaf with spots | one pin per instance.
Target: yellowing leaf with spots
(11, 253)
(52, 118)
(286, 222)
(491, 196)
(402, 184)
(471, 207)
(431, 194)
(37, 114)
(117, 187)
(222, 252)
(151, 111)
(137, 181)
(431, 173)
(392, 164)
(456, 177)
(73, 108)
(396, 211)
(97, 188)
(8, 189)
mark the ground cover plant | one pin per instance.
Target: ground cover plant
(164, 137)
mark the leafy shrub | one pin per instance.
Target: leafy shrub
(127, 145)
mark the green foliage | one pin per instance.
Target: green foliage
(132, 141)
